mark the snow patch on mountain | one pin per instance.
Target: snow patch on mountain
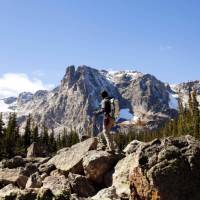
(125, 114)
(173, 101)
(4, 107)
(112, 76)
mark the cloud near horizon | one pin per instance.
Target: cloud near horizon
(11, 84)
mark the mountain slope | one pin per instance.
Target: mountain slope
(142, 97)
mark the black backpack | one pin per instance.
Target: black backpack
(107, 108)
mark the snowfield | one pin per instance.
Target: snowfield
(6, 107)
(173, 101)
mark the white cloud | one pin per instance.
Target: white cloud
(11, 84)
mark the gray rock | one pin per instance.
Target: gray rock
(133, 146)
(9, 192)
(15, 162)
(97, 163)
(37, 150)
(45, 194)
(167, 169)
(59, 186)
(71, 160)
(107, 194)
(43, 176)
(13, 176)
(34, 181)
(30, 168)
(81, 186)
(46, 168)
(121, 176)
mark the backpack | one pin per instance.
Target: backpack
(114, 104)
(115, 109)
(112, 107)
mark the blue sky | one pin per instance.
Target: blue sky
(40, 39)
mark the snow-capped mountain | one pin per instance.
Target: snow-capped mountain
(182, 90)
(142, 98)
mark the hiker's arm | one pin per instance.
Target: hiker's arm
(101, 110)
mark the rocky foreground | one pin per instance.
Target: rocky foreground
(167, 169)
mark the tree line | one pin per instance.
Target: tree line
(13, 142)
(187, 122)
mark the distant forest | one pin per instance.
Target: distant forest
(13, 143)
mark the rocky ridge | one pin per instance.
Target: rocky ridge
(71, 104)
(167, 169)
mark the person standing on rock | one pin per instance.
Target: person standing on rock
(108, 120)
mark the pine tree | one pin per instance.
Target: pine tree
(196, 116)
(1, 136)
(1, 125)
(58, 142)
(11, 135)
(52, 141)
(27, 133)
(45, 135)
(75, 138)
(35, 134)
(180, 123)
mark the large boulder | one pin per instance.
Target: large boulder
(9, 192)
(14, 176)
(34, 181)
(37, 150)
(46, 168)
(59, 186)
(37, 160)
(167, 169)
(71, 160)
(121, 176)
(107, 194)
(81, 186)
(133, 146)
(15, 162)
(97, 163)
(30, 168)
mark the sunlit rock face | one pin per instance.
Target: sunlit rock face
(142, 98)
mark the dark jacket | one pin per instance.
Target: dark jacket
(105, 107)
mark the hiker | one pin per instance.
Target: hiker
(108, 120)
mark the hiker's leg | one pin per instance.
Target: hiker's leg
(106, 131)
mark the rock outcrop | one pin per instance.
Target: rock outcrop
(81, 186)
(71, 160)
(167, 169)
(71, 104)
(37, 150)
(13, 176)
(97, 163)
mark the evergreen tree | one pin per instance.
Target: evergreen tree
(58, 142)
(196, 116)
(75, 138)
(45, 135)
(64, 139)
(27, 134)
(35, 134)
(2, 143)
(1, 125)
(52, 141)
(11, 135)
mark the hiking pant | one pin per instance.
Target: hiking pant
(108, 123)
